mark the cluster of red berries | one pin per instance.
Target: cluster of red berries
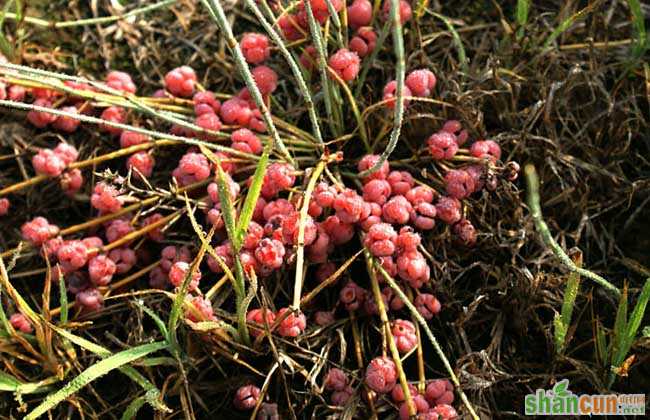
(55, 162)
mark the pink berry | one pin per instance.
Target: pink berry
(141, 163)
(377, 191)
(72, 255)
(156, 234)
(390, 95)
(290, 229)
(131, 138)
(205, 102)
(380, 240)
(179, 271)
(117, 229)
(465, 232)
(445, 412)
(255, 47)
(293, 325)
(224, 252)
(389, 265)
(405, 335)
(336, 380)
(459, 183)
(16, 93)
(363, 43)
(124, 259)
(208, 121)
(181, 81)
(200, 309)
(38, 230)
(345, 63)
(421, 82)
(41, 119)
(114, 114)
(369, 161)
(420, 194)
(105, 198)
(349, 206)
(319, 251)
(21, 323)
(92, 244)
(270, 252)
(65, 123)
(397, 394)
(90, 299)
(405, 11)
(4, 206)
(236, 111)
(324, 195)
(352, 296)
(246, 397)
(340, 398)
(309, 58)
(249, 262)
(407, 240)
(359, 13)
(290, 27)
(47, 162)
(280, 206)
(486, 149)
(246, 141)
(448, 210)
(442, 145)
(254, 235)
(266, 79)
(439, 391)
(420, 404)
(338, 231)
(278, 177)
(397, 210)
(324, 318)
(67, 152)
(120, 80)
(413, 268)
(423, 216)
(427, 305)
(260, 317)
(193, 167)
(452, 126)
(381, 375)
(400, 182)
(101, 270)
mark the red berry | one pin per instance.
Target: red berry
(72, 255)
(270, 252)
(381, 375)
(65, 123)
(101, 270)
(292, 325)
(105, 198)
(120, 80)
(421, 82)
(420, 194)
(193, 167)
(465, 232)
(389, 265)
(486, 149)
(397, 210)
(363, 43)
(367, 162)
(340, 398)
(278, 177)
(349, 206)
(41, 119)
(423, 216)
(38, 231)
(345, 63)
(124, 259)
(413, 268)
(266, 79)
(223, 251)
(445, 412)
(290, 27)
(156, 234)
(421, 406)
(92, 244)
(397, 394)
(117, 229)
(380, 240)
(405, 11)
(255, 47)
(407, 240)
(427, 305)
(338, 231)
(114, 114)
(21, 323)
(208, 121)
(442, 145)
(324, 194)
(16, 93)
(359, 13)
(47, 162)
(352, 296)
(246, 141)
(439, 391)
(336, 380)
(459, 183)
(452, 126)
(90, 299)
(246, 397)
(448, 210)
(324, 318)
(280, 206)
(4, 206)
(400, 182)
(319, 9)
(179, 271)
(377, 191)
(405, 335)
(205, 102)
(143, 162)
(67, 152)
(131, 138)
(181, 81)
(236, 111)
(390, 95)
(290, 229)
(318, 252)
(260, 317)
(200, 309)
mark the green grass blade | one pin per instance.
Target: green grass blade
(93, 372)
(620, 326)
(638, 20)
(133, 408)
(601, 344)
(562, 324)
(567, 23)
(8, 382)
(523, 6)
(159, 322)
(5, 46)
(458, 43)
(63, 299)
(251, 198)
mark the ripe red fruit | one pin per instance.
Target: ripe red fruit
(352, 296)
(16, 93)
(47, 162)
(349, 206)
(292, 325)
(120, 80)
(439, 391)
(421, 406)
(178, 272)
(278, 177)
(452, 126)
(397, 394)
(442, 145)
(405, 335)
(246, 397)
(72, 255)
(345, 63)
(419, 194)
(290, 27)
(486, 149)
(400, 182)
(21, 323)
(324, 194)
(117, 229)
(65, 123)
(338, 231)
(340, 398)
(459, 183)
(363, 43)
(380, 240)
(427, 305)
(156, 234)
(413, 268)
(359, 13)
(208, 121)
(445, 412)
(390, 95)
(255, 47)
(236, 111)
(260, 317)
(280, 206)
(319, 9)
(381, 375)
(407, 240)
(101, 270)
(90, 299)
(143, 162)
(105, 198)
(367, 162)
(38, 230)
(205, 102)
(224, 251)
(423, 216)
(465, 232)
(318, 252)
(421, 82)
(266, 79)
(41, 119)
(193, 167)
(397, 210)
(309, 57)
(4, 206)
(377, 191)
(114, 114)
(124, 259)
(336, 380)
(246, 141)
(131, 138)
(200, 309)
(405, 11)
(290, 229)
(448, 210)
(181, 81)
(270, 252)
(67, 152)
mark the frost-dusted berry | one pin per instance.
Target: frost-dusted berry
(131, 138)
(157, 233)
(291, 226)
(205, 102)
(181, 81)
(324, 318)
(228, 165)
(124, 259)
(427, 305)
(345, 63)
(72, 255)
(442, 145)
(335, 380)
(420, 194)
(249, 262)
(423, 216)
(41, 119)
(377, 191)
(254, 235)
(293, 325)
(193, 167)
(349, 206)
(290, 28)
(405, 11)
(246, 397)
(397, 394)
(421, 82)
(4, 206)
(486, 149)
(363, 43)
(105, 198)
(278, 177)
(389, 265)
(260, 317)
(101, 270)
(67, 152)
(200, 309)
(397, 210)
(380, 240)
(465, 232)
(390, 95)
(359, 13)
(367, 162)
(224, 252)
(120, 80)
(452, 126)
(352, 296)
(477, 172)
(445, 412)
(319, 251)
(246, 141)
(47, 162)
(266, 79)
(407, 240)
(90, 299)
(141, 163)
(280, 206)
(459, 183)
(413, 268)
(448, 210)
(439, 391)
(179, 271)
(270, 252)
(324, 194)
(309, 58)
(117, 229)
(65, 123)
(38, 230)
(400, 182)
(93, 243)
(338, 231)
(340, 398)
(21, 323)
(381, 375)
(255, 47)
(16, 93)
(208, 121)
(113, 114)
(419, 403)
(405, 335)
(319, 9)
